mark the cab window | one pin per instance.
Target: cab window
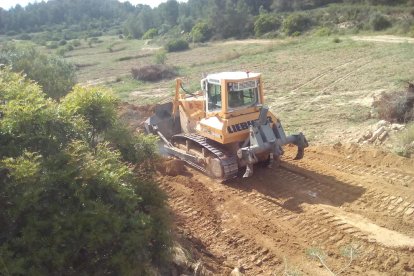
(242, 98)
(214, 97)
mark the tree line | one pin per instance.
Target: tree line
(224, 18)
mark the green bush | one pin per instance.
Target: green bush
(150, 34)
(52, 45)
(336, 40)
(177, 45)
(24, 37)
(76, 43)
(11, 33)
(200, 32)
(67, 208)
(323, 31)
(406, 141)
(266, 23)
(69, 48)
(296, 23)
(62, 42)
(53, 73)
(160, 57)
(379, 22)
(96, 105)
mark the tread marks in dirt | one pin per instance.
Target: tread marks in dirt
(291, 203)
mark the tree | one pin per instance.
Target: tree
(296, 23)
(265, 23)
(200, 32)
(72, 208)
(53, 73)
(94, 104)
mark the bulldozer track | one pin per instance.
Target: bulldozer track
(280, 214)
(228, 161)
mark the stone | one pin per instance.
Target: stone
(383, 136)
(381, 124)
(409, 211)
(367, 135)
(397, 127)
(237, 272)
(376, 134)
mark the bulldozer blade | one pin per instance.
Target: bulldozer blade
(163, 121)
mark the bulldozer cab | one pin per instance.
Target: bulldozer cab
(229, 92)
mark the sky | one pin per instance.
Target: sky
(6, 4)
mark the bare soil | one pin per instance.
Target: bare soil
(336, 197)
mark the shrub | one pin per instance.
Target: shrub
(11, 33)
(96, 105)
(61, 52)
(52, 45)
(394, 107)
(69, 48)
(336, 40)
(25, 37)
(323, 31)
(265, 23)
(153, 72)
(53, 73)
(160, 57)
(200, 32)
(62, 42)
(150, 34)
(69, 208)
(379, 22)
(76, 43)
(406, 141)
(177, 45)
(296, 23)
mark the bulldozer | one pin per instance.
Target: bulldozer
(223, 127)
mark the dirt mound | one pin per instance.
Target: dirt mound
(171, 167)
(134, 116)
(366, 156)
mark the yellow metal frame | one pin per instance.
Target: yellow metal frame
(221, 126)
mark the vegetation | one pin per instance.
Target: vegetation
(151, 33)
(266, 23)
(53, 73)
(154, 72)
(395, 107)
(405, 140)
(200, 32)
(296, 23)
(69, 203)
(176, 45)
(200, 21)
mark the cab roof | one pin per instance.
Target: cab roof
(218, 77)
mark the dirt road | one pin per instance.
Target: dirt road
(343, 204)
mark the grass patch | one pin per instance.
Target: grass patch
(133, 57)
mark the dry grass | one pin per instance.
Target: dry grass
(314, 85)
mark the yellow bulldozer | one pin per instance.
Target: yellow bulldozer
(223, 127)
